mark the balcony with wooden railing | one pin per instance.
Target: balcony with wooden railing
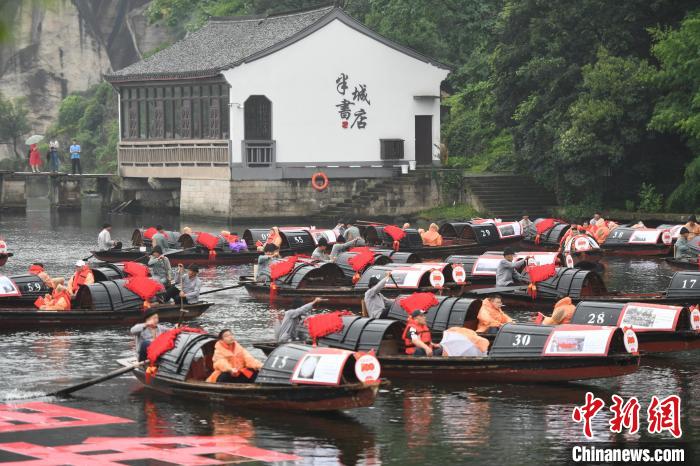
(194, 159)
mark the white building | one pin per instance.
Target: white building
(279, 97)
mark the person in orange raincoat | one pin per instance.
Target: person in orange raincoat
(431, 237)
(232, 363)
(491, 316)
(59, 300)
(563, 312)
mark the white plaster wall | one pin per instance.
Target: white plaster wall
(300, 82)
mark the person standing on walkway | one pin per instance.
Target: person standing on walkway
(52, 156)
(75, 157)
(34, 158)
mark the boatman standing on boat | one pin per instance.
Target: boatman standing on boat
(506, 275)
(146, 332)
(161, 269)
(104, 239)
(375, 302)
(527, 227)
(270, 253)
(191, 285)
(682, 247)
(417, 337)
(83, 276)
(160, 239)
(289, 328)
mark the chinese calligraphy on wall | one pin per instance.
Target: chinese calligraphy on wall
(353, 104)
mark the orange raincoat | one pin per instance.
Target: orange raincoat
(563, 312)
(229, 357)
(490, 316)
(431, 237)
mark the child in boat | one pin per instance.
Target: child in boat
(491, 316)
(271, 253)
(59, 300)
(288, 329)
(564, 310)
(375, 302)
(232, 363)
(146, 332)
(431, 237)
(417, 337)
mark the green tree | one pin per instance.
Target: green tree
(13, 122)
(678, 108)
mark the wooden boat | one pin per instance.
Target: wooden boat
(523, 353)
(550, 239)
(327, 280)
(472, 240)
(189, 252)
(381, 257)
(100, 304)
(183, 370)
(587, 285)
(31, 287)
(659, 328)
(626, 241)
(688, 263)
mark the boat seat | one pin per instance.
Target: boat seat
(390, 347)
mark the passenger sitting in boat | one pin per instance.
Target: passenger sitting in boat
(596, 220)
(321, 251)
(406, 226)
(37, 269)
(506, 275)
(160, 239)
(341, 245)
(682, 248)
(187, 231)
(232, 363)
(160, 266)
(146, 332)
(564, 310)
(480, 345)
(417, 337)
(271, 253)
(352, 233)
(601, 231)
(431, 237)
(104, 239)
(273, 237)
(491, 316)
(693, 227)
(59, 300)
(82, 276)
(375, 302)
(289, 328)
(638, 225)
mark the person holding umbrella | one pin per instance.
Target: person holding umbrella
(34, 155)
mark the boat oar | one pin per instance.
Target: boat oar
(88, 257)
(96, 380)
(222, 289)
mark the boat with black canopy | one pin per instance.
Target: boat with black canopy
(100, 304)
(288, 380)
(520, 353)
(208, 249)
(628, 241)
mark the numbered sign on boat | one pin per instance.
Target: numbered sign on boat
(685, 285)
(642, 317)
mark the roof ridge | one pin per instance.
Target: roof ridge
(286, 14)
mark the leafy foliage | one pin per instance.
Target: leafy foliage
(13, 122)
(649, 199)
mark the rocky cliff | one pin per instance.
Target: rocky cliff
(64, 46)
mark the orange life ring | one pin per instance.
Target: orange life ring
(314, 181)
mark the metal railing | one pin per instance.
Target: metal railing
(259, 153)
(174, 153)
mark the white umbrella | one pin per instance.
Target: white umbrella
(456, 344)
(34, 139)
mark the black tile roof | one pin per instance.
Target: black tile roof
(224, 43)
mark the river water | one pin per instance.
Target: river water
(410, 423)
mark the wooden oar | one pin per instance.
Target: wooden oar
(96, 380)
(222, 289)
(88, 257)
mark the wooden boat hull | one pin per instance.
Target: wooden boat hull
(30, 318)
(668, 342)
(685, 264)
(258, 396)
(191, 257)
(508, 370)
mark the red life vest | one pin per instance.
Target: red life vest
(80, 277)
(35, 269)
(423, 332)
(63, 294)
